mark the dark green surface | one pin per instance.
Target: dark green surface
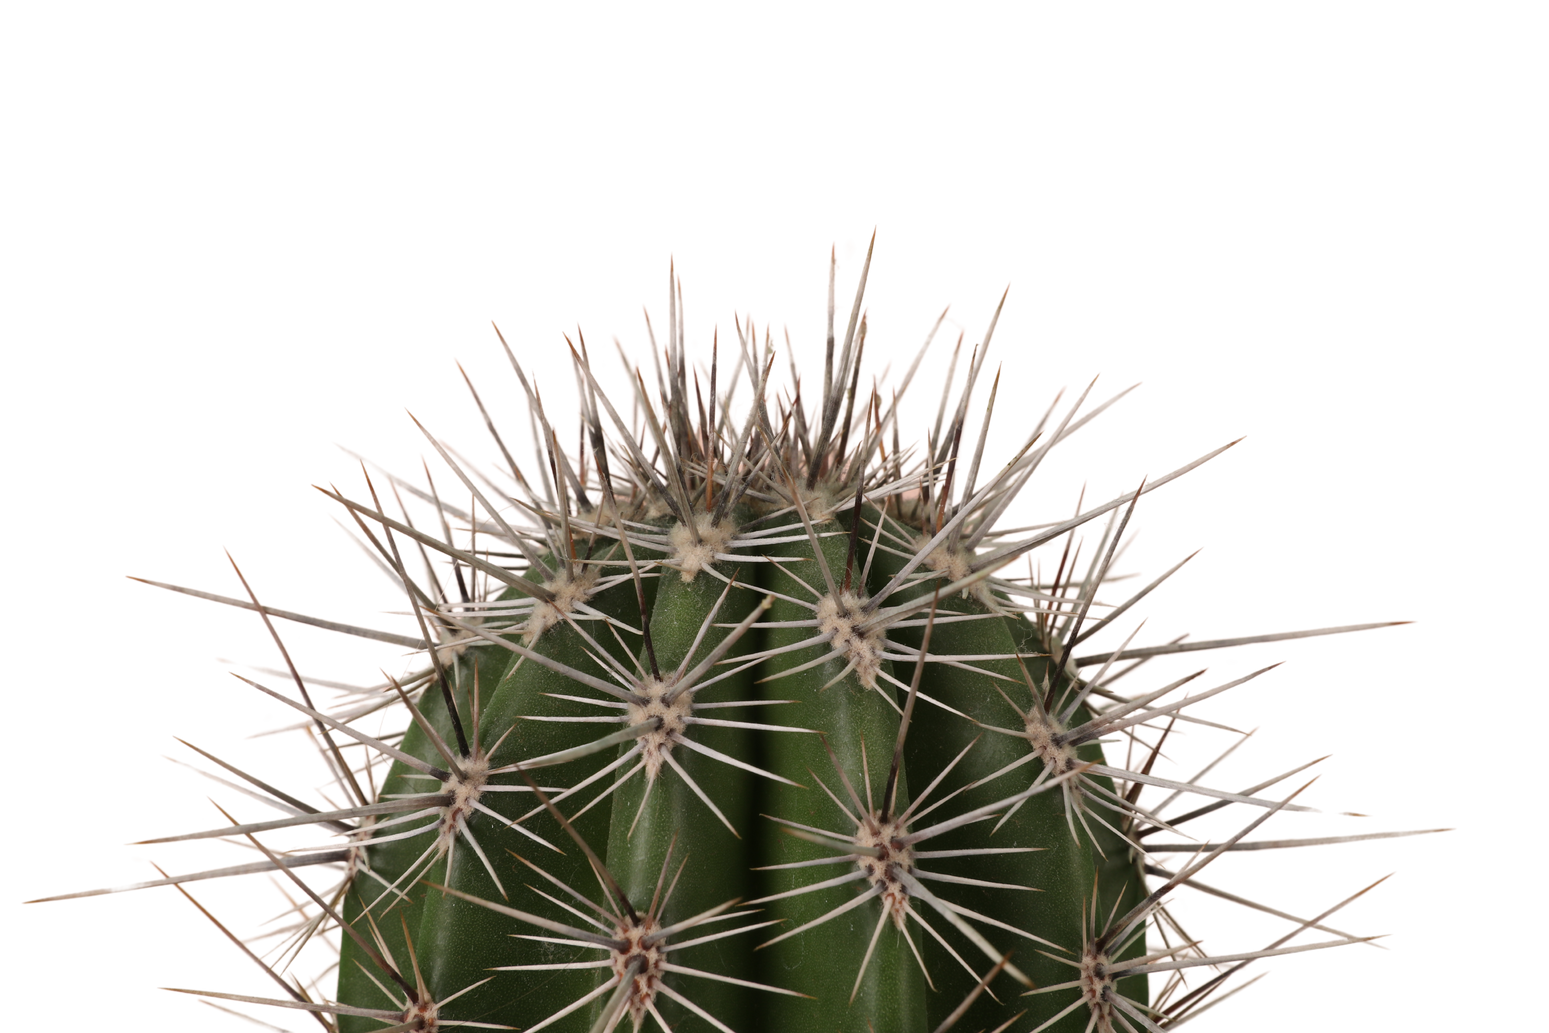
(456, 942)
(389, 860)
(715, 862)
(1119, 872)
(1059, 874)
(823, 962)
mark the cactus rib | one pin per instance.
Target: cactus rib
(777, 673)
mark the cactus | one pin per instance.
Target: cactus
(744, 717)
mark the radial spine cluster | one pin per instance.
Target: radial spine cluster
(744, 715)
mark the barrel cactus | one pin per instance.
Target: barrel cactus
(743, 715)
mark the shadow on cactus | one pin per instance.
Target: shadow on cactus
(744, 716)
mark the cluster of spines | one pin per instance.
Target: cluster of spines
(592, 733)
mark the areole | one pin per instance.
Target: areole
(747, 717)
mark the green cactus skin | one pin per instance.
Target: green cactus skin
(1064, 870)
(390, 860)
(1067, 867)
(859, 725)
(824, 962)
(454, 940)
(669, 824)
(855, 971)
(1120, 884)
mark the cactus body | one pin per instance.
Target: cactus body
(666, 823)
(390, 861)
(1065, 867)
(824, 962)
(443, 927)
(760, 732)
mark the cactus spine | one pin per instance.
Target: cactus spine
(757, 728)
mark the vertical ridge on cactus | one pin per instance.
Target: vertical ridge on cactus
(778, 688)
